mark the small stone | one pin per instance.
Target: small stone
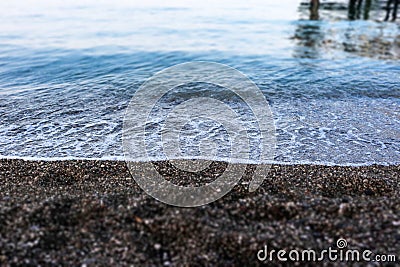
(368, 192)
(344, 209)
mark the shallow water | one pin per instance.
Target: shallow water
(68, 71)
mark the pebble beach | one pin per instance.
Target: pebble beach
(92, 213)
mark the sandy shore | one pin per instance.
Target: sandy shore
(92, 213)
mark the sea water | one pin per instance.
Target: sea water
(69, 69)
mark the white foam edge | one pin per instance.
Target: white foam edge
(233, 161)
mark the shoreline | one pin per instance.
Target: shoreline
(78, 212)
(235, 161)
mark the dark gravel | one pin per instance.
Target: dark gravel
(92, 213)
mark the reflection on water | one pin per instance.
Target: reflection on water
(355, 9)
(314, 6)
(354, 26)
(389, 9)
(309, 38)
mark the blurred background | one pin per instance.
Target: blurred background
(245, 27)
